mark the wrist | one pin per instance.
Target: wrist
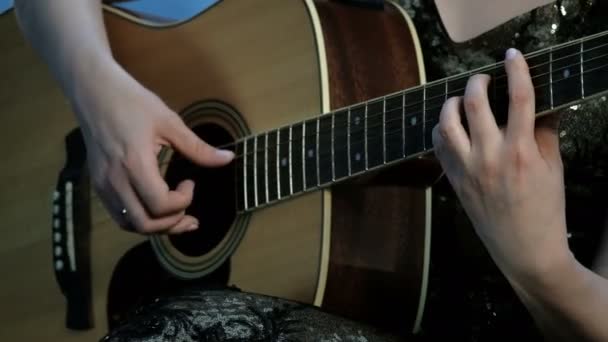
(87, 74)
(94, 85)
(554, 277)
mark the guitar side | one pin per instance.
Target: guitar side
(381, 225)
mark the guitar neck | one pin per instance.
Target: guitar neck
(319, 152)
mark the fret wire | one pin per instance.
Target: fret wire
(304, 155)
(551, 75)
(424, 118)
(266, 166)
(553, 70)
(245, 175)
(403, 125)
(537, 87)
(333, 158)
(365, 134)
(384, 130)
(390, 132)
(397, 130)
(318, 159)
(255, 170)
(603, 66)
(501, 76)
(582, 74)
(290, 158)
(403, 108)
(348, 142)
(535, 54)
(278, 168)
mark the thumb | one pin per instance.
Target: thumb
(186, 142)
(547, 137)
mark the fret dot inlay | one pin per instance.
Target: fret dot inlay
(336, 146)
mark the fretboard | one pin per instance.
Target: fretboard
(318, 152)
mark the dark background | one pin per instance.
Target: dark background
(469, 298)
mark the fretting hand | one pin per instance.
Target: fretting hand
(510, 181)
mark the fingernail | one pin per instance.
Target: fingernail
(193, 226)
(225, 154)
(511, 53)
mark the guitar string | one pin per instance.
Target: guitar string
(273, 181)
(551, 50)
(459, 77)
(427, 100)
(552, 60)
(462, 76)
(437, 97)
(397, 118)
(326, 154)
(419, 103)
(414, 113)
(442, 82)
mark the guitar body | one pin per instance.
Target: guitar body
(360, 249)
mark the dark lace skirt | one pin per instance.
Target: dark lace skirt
(232, 315)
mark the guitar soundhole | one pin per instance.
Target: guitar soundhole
(214, 195)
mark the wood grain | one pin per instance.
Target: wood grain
(377, 228)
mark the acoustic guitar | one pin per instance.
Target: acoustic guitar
(236, 70)
(331, 209)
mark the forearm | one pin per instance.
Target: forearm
(568, 305)
(70, 37)
(600, 264)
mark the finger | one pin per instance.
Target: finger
(192, 147)
(547, 137)
(450, 133)
(105, 185)
(136, 217)
(152, 189)
(112, 204)
(187, 224)
(480, 120)
(520, 126)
